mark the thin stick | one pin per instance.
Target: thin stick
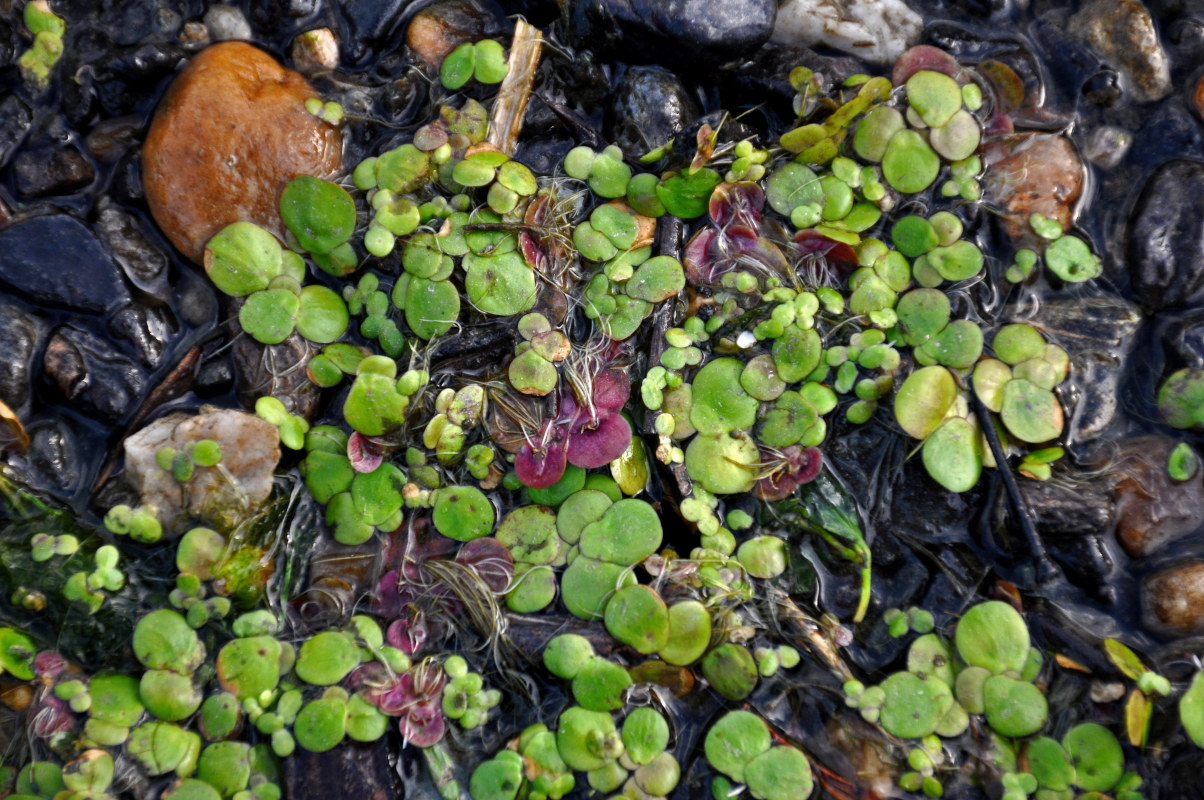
(1046, 570)
(515, 92)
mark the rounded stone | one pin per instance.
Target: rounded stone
(227, 137)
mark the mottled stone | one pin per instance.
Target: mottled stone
(875, 30)
(676, 33)
(19, 334)
(219, 496)
(650, 107)
(278, 370)
(55, 260)
(228, 136)
(1172, 599)
(226, 23)
(15, 119)
(50, 171)
(315, 51)
(91, 374)
(148, 330)
(1042, 174)
(1165, 238)
(440, 27)
(1151, 509)
(141, 259)
(1123, 34)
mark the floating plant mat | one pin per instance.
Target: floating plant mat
(583, 505)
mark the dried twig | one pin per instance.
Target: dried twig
(511, 104)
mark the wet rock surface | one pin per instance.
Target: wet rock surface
(440, 27)
(218, 496)
(19, 335)
(1123, 33)
(1152, 510)
(1165, 240)
(231, 132)
(1173, 599)
(676, 32)
(91, 374)
(56, 260)
(651, 107)
(1042, 174)
(48, 171)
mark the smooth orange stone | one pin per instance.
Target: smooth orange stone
(227, 137)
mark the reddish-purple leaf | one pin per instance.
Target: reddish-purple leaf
(738, 203)
(532, 252)
(423, 725)
(920, 57)
(492, 561)
(611, 389)
(365, 452)
(802, 466)
(812, 243)
(408, 634)
(539, 470)
(596, 445)
(50, 718)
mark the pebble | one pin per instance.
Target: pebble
(149, 330)
(877, 31)
(679, 33)
(227, 137)
(1123, 34)
(1042, 174)
(19, 337)
(1165, 238)
(1151, 509)
(55, 260)
(219, 498)
(650, 107)
(50, 171)
(54, 454)
(15, 119)
(141, 260)
(91, 374)
(315, 51)
(226, 23)
(1172, 599)
(440, 27)
(278, 370)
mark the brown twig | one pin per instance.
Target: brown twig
(515, 92)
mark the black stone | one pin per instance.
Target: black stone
(47, 171)
(1165, 239)
(53, 453)
(1183, 341)
(91, 375)
(680, 33)
(148, 330)
(56, 261)
(650, 107)
(15, 119)
(214, 377)
(19, 334)
(143, 261)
